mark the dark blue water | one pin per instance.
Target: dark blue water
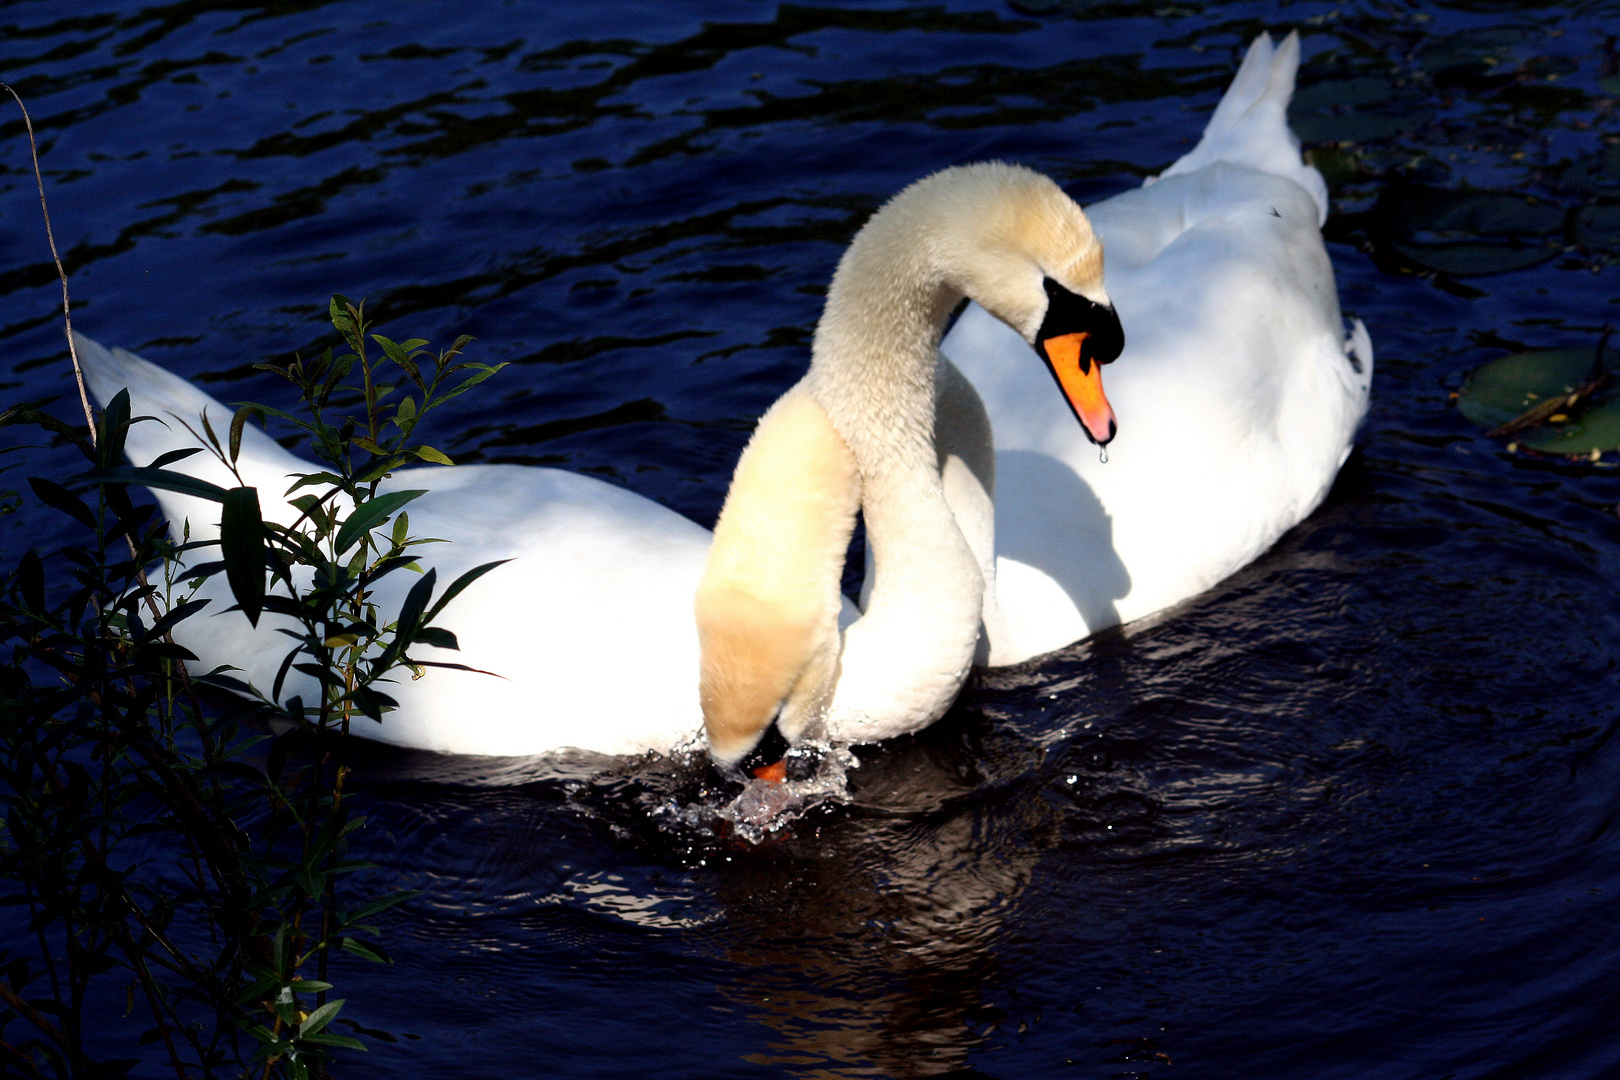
(1348, 815)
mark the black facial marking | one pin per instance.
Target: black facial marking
(770, 749)
(1071, 313)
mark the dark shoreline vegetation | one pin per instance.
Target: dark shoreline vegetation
(224, 926)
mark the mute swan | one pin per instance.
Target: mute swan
(881, 422)
(590, 625)
(1238, 393)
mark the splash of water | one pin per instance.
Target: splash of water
(818, 773)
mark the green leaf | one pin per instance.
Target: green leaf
(315, 478)
(173, 456)
(427, 453)
(461, 583)
(480, 373)
(175, 614)
(55, 495)
(31, 581)
(369, 514)
(114, 427)
(238, 422)
(378, 906)
(438, 637)
(366, 952)
(326, 1038)
(1507, 387)
(161, 479)
(241, 542)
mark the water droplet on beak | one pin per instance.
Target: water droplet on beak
(1102, 454)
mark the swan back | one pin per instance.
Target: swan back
(178, 408)
(1239, 391)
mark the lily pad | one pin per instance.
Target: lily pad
(1408, 208)
(1598, 173)
(1598, 226)
(1506, 388)
(1474, 260)
(1476, 58)
(1364, 90)
(1355, 126)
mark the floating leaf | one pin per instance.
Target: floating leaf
(1356, 126)
(1598, 173)
(1365, 90)
(1410, 208)
(1504, 389)
(1598, 226)
(1476, 58)
(1474, 260)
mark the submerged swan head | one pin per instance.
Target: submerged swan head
(858, 433)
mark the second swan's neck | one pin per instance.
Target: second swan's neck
(873, 370)
(991, 232)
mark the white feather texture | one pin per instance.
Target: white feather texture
(1238, 394)
(589, 627)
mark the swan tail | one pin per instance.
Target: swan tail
(1250, 125)
(178, 409)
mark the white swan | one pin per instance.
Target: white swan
(592, 625)
(1238, 395)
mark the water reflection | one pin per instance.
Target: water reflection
(869, 945)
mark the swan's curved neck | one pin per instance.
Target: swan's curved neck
(995, 233)
(873, 370)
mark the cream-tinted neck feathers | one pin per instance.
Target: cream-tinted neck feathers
(768, 605)
(767, 608)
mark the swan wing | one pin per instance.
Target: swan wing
(1238, 394)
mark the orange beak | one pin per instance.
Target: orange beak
(774, 773)
(1082, 384)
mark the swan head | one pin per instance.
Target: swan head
(1009, 238)
(1033, 261)
(768, 605)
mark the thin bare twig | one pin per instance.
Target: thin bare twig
(35, 1017)
(78, 372)
(25, 1060)
(67, 308)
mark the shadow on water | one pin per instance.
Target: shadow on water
(1349, 814)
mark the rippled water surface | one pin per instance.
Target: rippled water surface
(1347, 815)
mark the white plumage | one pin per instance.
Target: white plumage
(1238, 396)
